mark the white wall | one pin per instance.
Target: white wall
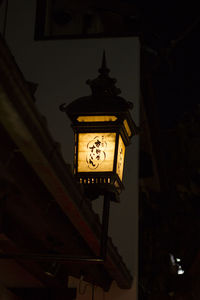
(61, 69)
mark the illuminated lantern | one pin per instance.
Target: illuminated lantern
(103, 127)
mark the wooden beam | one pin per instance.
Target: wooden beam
(45, 293)
(6, 294)
(39, 277)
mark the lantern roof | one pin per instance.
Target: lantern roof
(104, 97)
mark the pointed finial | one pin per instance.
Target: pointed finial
(104, 70)
(103, 84)
(104, 60)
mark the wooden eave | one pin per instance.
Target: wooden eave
(27, 129)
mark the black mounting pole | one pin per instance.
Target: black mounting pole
(105, 222)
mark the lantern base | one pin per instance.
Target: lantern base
(100, 184)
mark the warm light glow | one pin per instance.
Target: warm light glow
(120, 158)
(96, 152)
(127, 127)
(96, 118)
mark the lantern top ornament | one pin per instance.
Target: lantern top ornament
(104, 98)
(103, 84)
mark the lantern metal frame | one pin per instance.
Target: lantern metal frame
(103, 102)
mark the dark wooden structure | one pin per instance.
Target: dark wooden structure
(43, 209)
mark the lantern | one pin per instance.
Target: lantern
(103, 127)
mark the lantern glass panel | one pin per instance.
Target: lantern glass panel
(120, 158)
(96, 152)
(127, 127)
(96, 118)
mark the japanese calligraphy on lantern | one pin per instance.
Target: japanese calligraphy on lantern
(96, 152)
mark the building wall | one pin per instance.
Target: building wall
(60, 68)
(85, 291)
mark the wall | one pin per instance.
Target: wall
(85, 291)
(61, 68)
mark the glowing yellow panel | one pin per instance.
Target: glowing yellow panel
(96, 152)
(127, 127)
(120, 158)
(96, 118)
